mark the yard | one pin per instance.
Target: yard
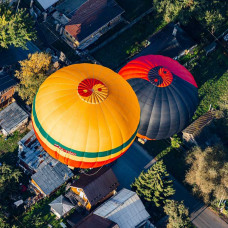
(39, 214)
(114, 54)
(210, 73)
(8, 147)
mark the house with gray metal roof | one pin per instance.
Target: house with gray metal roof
(48, 179)
(61, 206)
(32, 156)
(126, 209)
(11, 118)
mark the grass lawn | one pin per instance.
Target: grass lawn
(134, 8)
(114, 53)
(210, 73)
(8, 148)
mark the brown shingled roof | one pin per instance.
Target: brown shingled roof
(200, 123)
(93, 220)
(91, 16)
(97, 184)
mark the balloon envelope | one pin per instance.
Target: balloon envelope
(167, 94)
(85, 115)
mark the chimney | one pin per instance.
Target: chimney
(57, 27)
(45, 16)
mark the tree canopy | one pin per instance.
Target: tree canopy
(211, 14)
(154, 185)
(208, 173)
(16, 28)
(32, 73)
(178, 214)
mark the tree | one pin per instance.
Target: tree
(208, 173)
(37, 220)
(16, 28)
(171, 10)
(33, 72)
(154, 185)
(213, 19)
(7, 176)
(178, 214)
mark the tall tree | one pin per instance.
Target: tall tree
(154, 185)
(16, 28)
(178, 214)
(208, 173)
(33, 72)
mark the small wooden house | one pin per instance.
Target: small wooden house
(92, 221)
(198, 130)
(11, 118)
(61, 206)
(7, 88)
(48, 179)
(95, 186)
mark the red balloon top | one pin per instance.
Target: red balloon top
(144, 66)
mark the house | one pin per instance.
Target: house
(13, 54)
(126, 209)
(75, 217)
(32, 156)
(47, 4)
(93, 220)
(61, 206)
(200, 131)
(92, 19)
(95, 186)
(48, 179)
(11, 118)
(171, 41)
(7, 88)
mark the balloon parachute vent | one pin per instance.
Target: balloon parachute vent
(92, 91)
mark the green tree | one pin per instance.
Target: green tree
(175, 141)
(213, 19)
(37, 220)
(173, 9)
(16, 28)
(208, 173)
(178, 214)
(8, 176)
(33, 72)
(154, 185)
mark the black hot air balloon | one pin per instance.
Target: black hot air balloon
(167, 93)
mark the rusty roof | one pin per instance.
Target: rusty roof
(97, 184)
(195, 127)
(91, 16)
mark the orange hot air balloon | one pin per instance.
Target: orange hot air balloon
(85, 115)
